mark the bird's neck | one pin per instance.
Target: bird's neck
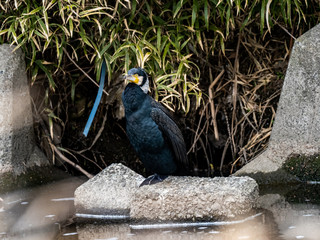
(145, 86)
(133, 98)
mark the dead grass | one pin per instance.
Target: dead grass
(245, 92)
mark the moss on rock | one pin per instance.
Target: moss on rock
(306, 168)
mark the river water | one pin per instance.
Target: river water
(47, 213)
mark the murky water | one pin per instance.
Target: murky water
(47, 213)
(38, 213)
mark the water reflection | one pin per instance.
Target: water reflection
(39, 212)
(295, 220)
(47, 213)
(253, 227)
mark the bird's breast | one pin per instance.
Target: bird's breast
(144, 133)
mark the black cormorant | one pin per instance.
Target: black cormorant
(151, 130)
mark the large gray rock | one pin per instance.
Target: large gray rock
(189, 198)
(297, 123)
(109, 192)
(116, 191)
(18, 152)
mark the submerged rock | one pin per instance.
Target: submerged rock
(116, 191)
(297, 123)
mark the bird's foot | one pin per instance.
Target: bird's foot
(156, 178)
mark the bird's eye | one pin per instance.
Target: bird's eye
(135, 75)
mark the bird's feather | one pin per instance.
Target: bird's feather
(161, 116)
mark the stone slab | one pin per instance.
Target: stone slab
(297, 123)
(190, 198)
(116, 191)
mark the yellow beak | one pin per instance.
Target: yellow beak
(132, 78)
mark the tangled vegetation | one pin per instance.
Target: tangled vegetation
(218, 64)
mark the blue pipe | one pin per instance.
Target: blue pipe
(97, 101)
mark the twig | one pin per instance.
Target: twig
(197, 135)
(98, 134)
(246, 116)
(213, 111)
(234, 94)
(70, 162)
(224, 155)
(94, 82)
(284, 29)
(88, 159)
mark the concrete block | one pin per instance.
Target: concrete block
(18, 152)
(190, 198)
(297, 123)
(116, 191)
(109, 192)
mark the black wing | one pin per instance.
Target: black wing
(155, 104)
(170, 131)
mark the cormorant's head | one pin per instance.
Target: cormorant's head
(139, 77)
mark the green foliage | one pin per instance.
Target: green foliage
(165, 38)
(191, 49)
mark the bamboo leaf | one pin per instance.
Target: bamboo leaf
(159, 39)
(262, 15)
(99, 26)
(228, 20)
(83, 36)
(34, 11)
(194, 12)
(3, 31)
(127, 62)
(177, 8)
(188, 104)
(13, 33)
(43, 27)
(185, 43)
(34, 53)
(283, 11)
(96, 11)
(50, 126)
(47, 72)
(133, 9)
(267, 14)
(206, 14)
(105, 48)
(198, 34)
(34, 74)
(299, 10)
(289, 12)
(165, 51)
(46, 20)
(222, 45)
(109, 70)
(70, 26)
